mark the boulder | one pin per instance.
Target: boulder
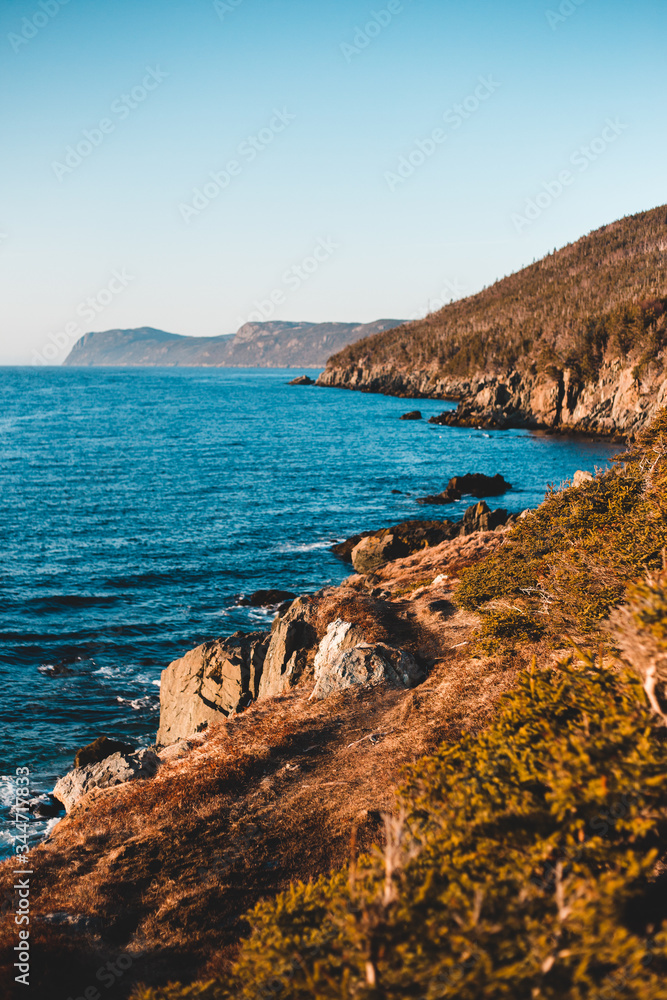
(480, 518)
(114, 770)
(342, 661)
(100, 749)
(292, 636)
(375, 551)
(580, 477)
(409, 536)
(474, 484)
(302, 380)
(412, 415)
(209, 684)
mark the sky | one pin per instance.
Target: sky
(194, 164)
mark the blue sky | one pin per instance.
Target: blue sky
(330, 124)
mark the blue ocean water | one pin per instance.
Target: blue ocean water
(138, 504)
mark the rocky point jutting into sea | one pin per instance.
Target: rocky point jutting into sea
(573, 343)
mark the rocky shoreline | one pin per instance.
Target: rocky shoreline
(272, 746)
(619, 403)
(305, 647)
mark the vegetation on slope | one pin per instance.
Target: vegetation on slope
(522, 864)
(569, 562)
(525, 861)
(604, 296)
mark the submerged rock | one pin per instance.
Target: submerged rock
(210, 683)
(114, 770)
(266, 598)
(342, 661)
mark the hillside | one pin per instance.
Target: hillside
(525, 853)
(575, 340)
(255, 345)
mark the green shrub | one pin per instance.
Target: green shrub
(576, 554)
(521, 867)
(504, 626)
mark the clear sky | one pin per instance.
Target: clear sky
(175, 163)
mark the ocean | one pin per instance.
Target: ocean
(138, 505)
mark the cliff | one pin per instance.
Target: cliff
(255, 345)
(575, 342)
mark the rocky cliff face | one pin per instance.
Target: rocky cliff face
(618, 403)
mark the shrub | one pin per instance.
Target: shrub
(576, 554)
(503, 625)
(521, 866)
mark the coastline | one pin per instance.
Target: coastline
(616, 405)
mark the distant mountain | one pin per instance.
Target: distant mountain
(256, 345)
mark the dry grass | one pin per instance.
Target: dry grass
(168, 867)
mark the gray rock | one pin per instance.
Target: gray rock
(114, 770)
(209, 684)
(580, 477)
(480, 518)
(373, 552)
(342, 662)
(293, 635)
(99, 749)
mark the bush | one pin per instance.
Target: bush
(521, 866)
(575, 555)
(506, 625)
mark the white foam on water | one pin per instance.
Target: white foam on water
(310, 547)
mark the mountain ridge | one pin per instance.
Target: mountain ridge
(275, 344)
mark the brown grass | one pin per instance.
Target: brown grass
(168, 867)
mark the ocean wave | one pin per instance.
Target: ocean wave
(307, 547)
(139, 703)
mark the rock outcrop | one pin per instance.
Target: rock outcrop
(375, 551)
(99, 750)
(113, 770)
(617, 404)
(412, 415)
(210, 683)
(292, 637)
(408, 536)
(474, 484)
(342, 661)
